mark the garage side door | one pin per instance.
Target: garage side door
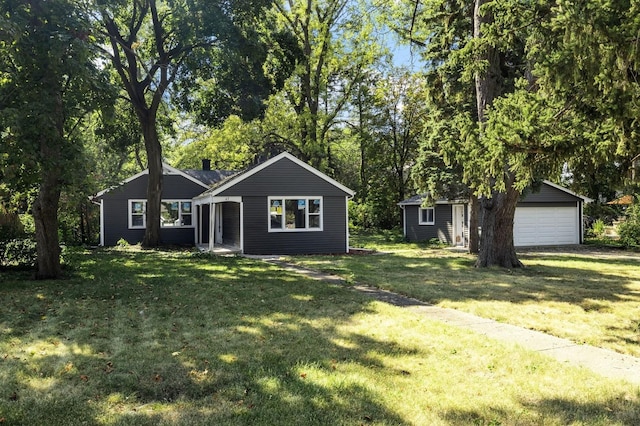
(540, 226)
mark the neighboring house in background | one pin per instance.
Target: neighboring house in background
(551, 215)
(281, 206)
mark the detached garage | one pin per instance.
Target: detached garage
(550, 215)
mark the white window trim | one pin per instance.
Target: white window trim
(180, 201)
(290, 197)
(420, 221)
(144, 215)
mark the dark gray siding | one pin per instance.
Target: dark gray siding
(231, 224)
(116, 210)
(283, 178)
(547, 194)
(204, 222)
(442, 229)
(258, 240)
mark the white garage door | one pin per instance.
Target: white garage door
(540, 226)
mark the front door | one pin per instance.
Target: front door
(458, 225)
(218, 224)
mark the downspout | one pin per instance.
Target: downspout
(346, 209)
(404, 222)
(242, 226)
(580, 221)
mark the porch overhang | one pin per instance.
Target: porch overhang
(209, 199)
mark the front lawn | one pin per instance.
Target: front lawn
(588, 294)
(146, 338)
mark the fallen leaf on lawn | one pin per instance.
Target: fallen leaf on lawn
(84, 377)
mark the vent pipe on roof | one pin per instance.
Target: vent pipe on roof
(206, 164)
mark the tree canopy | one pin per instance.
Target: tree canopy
(48, 83)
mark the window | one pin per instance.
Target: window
(295, 214)
(427, 216)
(173, 214)
(137, 214)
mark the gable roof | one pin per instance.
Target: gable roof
(416, 200)
(568, 191)
(239, 177)
(204, 178)
(209, 177)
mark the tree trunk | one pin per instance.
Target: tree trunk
(489, 82)
(496, 247)
(496, 242)
(45, 215)
(154, 187)
(474, 236)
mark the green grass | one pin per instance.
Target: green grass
(589, 296)
(145, 338)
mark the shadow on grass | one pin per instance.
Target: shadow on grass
(443, 276)
(157, 338)
(147, 338)
(617, 411)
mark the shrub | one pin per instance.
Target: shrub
(122, 243)
(629, 230)
(598, 228)
(10, 225)
(20, 253)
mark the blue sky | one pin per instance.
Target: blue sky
(403, 55)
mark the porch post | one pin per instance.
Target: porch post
(196, 227)
(212, 225)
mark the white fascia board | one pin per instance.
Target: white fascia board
(233, 181)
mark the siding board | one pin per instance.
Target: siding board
(258, 239)
(442, 229)
(283, 178)
(116, 220)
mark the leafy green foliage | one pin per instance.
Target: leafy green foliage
(629, 229)
(10, 225)
(230, 146)
(335, 46)
(598, 228)
(49, 83)
(19, 253)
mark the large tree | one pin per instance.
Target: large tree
(535, 99)
(157, 45)
(48, 83)
(337, 46)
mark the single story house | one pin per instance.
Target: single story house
(280, 206)
(551, 215)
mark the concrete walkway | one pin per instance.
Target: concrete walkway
(601, 361)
